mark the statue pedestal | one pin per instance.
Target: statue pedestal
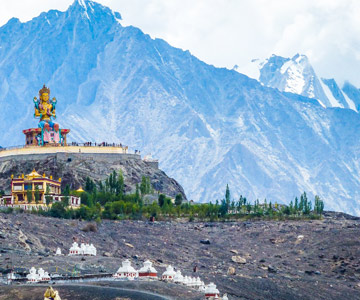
(38, 137)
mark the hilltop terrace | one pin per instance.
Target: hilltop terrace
(72, 148)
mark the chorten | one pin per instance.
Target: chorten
(147, 271)
(126, 271)
(169, 274)
(211, 291)
(178, 278)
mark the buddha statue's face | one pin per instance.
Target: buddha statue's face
(44, 97)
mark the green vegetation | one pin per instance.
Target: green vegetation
(37, 194)
(29, 195)
(108, 200)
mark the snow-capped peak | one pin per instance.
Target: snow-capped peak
(296, 75)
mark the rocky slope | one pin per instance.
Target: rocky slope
(249, 260)
(74, 168)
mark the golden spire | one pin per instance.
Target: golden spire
(80, 190)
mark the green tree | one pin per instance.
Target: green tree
(65, 201)
(29, 194)
(178, 199)
(161, 199)
(120, 184)
(58, 210)
(66, 190)
(232, 206)
(296, 205)
(291, 207)
(301, 204)
(223, 208)
(227, 196)
(319, 205)
(137, 193)
(145, 185)
(248, 207)
(89, 185)
(37, 194)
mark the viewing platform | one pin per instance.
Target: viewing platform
(76, 148)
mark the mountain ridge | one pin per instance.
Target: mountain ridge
(117, 84)
(297, 75)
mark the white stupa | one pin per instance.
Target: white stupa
(33, 277)
(202, 287)
(92, 250)
(58, 252)
(43, 276)
(186, 280)
(147, 271)
(225, 297)
(126, 271)
(75, 249)
(192, 281)
(11, 276)
(178, 278)
(84, 249)
(211, 291)
(198, 282)
(169, 274)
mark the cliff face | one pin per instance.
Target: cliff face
(73, 168)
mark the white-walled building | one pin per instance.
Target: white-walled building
(126, 271)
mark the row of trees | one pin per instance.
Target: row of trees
(302, 207)
(109, 200)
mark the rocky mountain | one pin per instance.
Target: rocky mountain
(296, 75)
(208, 126)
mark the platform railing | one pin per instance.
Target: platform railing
(75, 144)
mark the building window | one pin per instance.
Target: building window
(17, 188)
(28, 187)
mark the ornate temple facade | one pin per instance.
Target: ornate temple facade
(33, 191)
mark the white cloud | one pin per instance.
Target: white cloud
(229, 32)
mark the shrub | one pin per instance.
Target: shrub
(91, 227)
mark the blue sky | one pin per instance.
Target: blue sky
(232, 32)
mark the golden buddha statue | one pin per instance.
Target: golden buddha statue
(51, 294)
(44, 108)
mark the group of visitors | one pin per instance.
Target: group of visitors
(90, 144)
